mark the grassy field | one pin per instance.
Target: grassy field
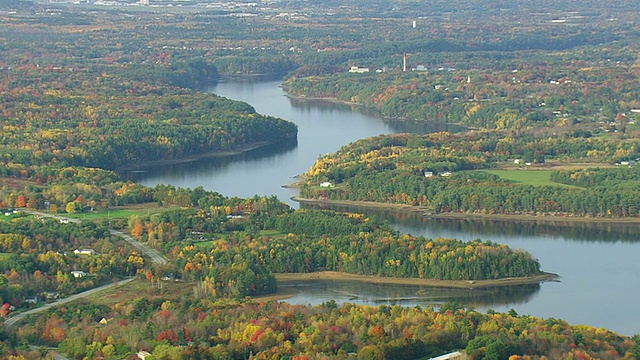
(272, 233)
(527, 177)
(120, 213)
(4, 256)
(203, 244)
(141, 288)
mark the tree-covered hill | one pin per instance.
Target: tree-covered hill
(442, 172)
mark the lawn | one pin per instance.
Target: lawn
(141, 288)
(203, 244)
(118, 213)
(528, 177)
(271, 233)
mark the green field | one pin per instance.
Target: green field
(3, 256)
(115, 213)
(271, 233)
(527, 177)
(203, 244)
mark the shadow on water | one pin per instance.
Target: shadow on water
(213, 163)
(319, 291)
(398, 126)
(320, 106)
(581, 231)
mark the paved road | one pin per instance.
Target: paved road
(155, 256)
(53, 216)
(14, 319)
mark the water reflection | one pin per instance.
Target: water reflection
(214, 163)
(319, 291)
(398, 126)
(417, 224)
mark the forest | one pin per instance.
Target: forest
(221, 249)
(176, 326)
(88, 90)
(443, 173)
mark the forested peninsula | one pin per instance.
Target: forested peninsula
(456, 173)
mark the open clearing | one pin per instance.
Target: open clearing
(528, 177)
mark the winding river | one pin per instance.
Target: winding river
(598, 263)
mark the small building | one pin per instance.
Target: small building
(142, 354)
(445, 173)
(84, 252)
(51, 295)
(31, 300)
(78, 274)
(168, 277)
(428, 174)
(326, 184)
(516, 161)
(64, 221)
(358, 70)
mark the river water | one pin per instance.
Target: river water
(598, 264)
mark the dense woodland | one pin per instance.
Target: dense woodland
(86, 90)
(173, 326)
(392, 169)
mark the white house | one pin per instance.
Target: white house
(445, 173)
(143, 354)
(84, 252)
(428, 174)
(78, 274)
(326, 184)
(358, 70)
(52, 295)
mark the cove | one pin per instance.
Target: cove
(597, 262)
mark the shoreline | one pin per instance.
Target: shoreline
(195, 157)
(333, 100)
(327, 99)
(467, 216)
(456, 284)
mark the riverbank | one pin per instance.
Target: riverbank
(195, 157)
(456, 284)
(467, 216)
(326, 99)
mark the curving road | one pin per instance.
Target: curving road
(14, 319)
(155, 256)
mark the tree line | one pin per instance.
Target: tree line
(394, 169)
